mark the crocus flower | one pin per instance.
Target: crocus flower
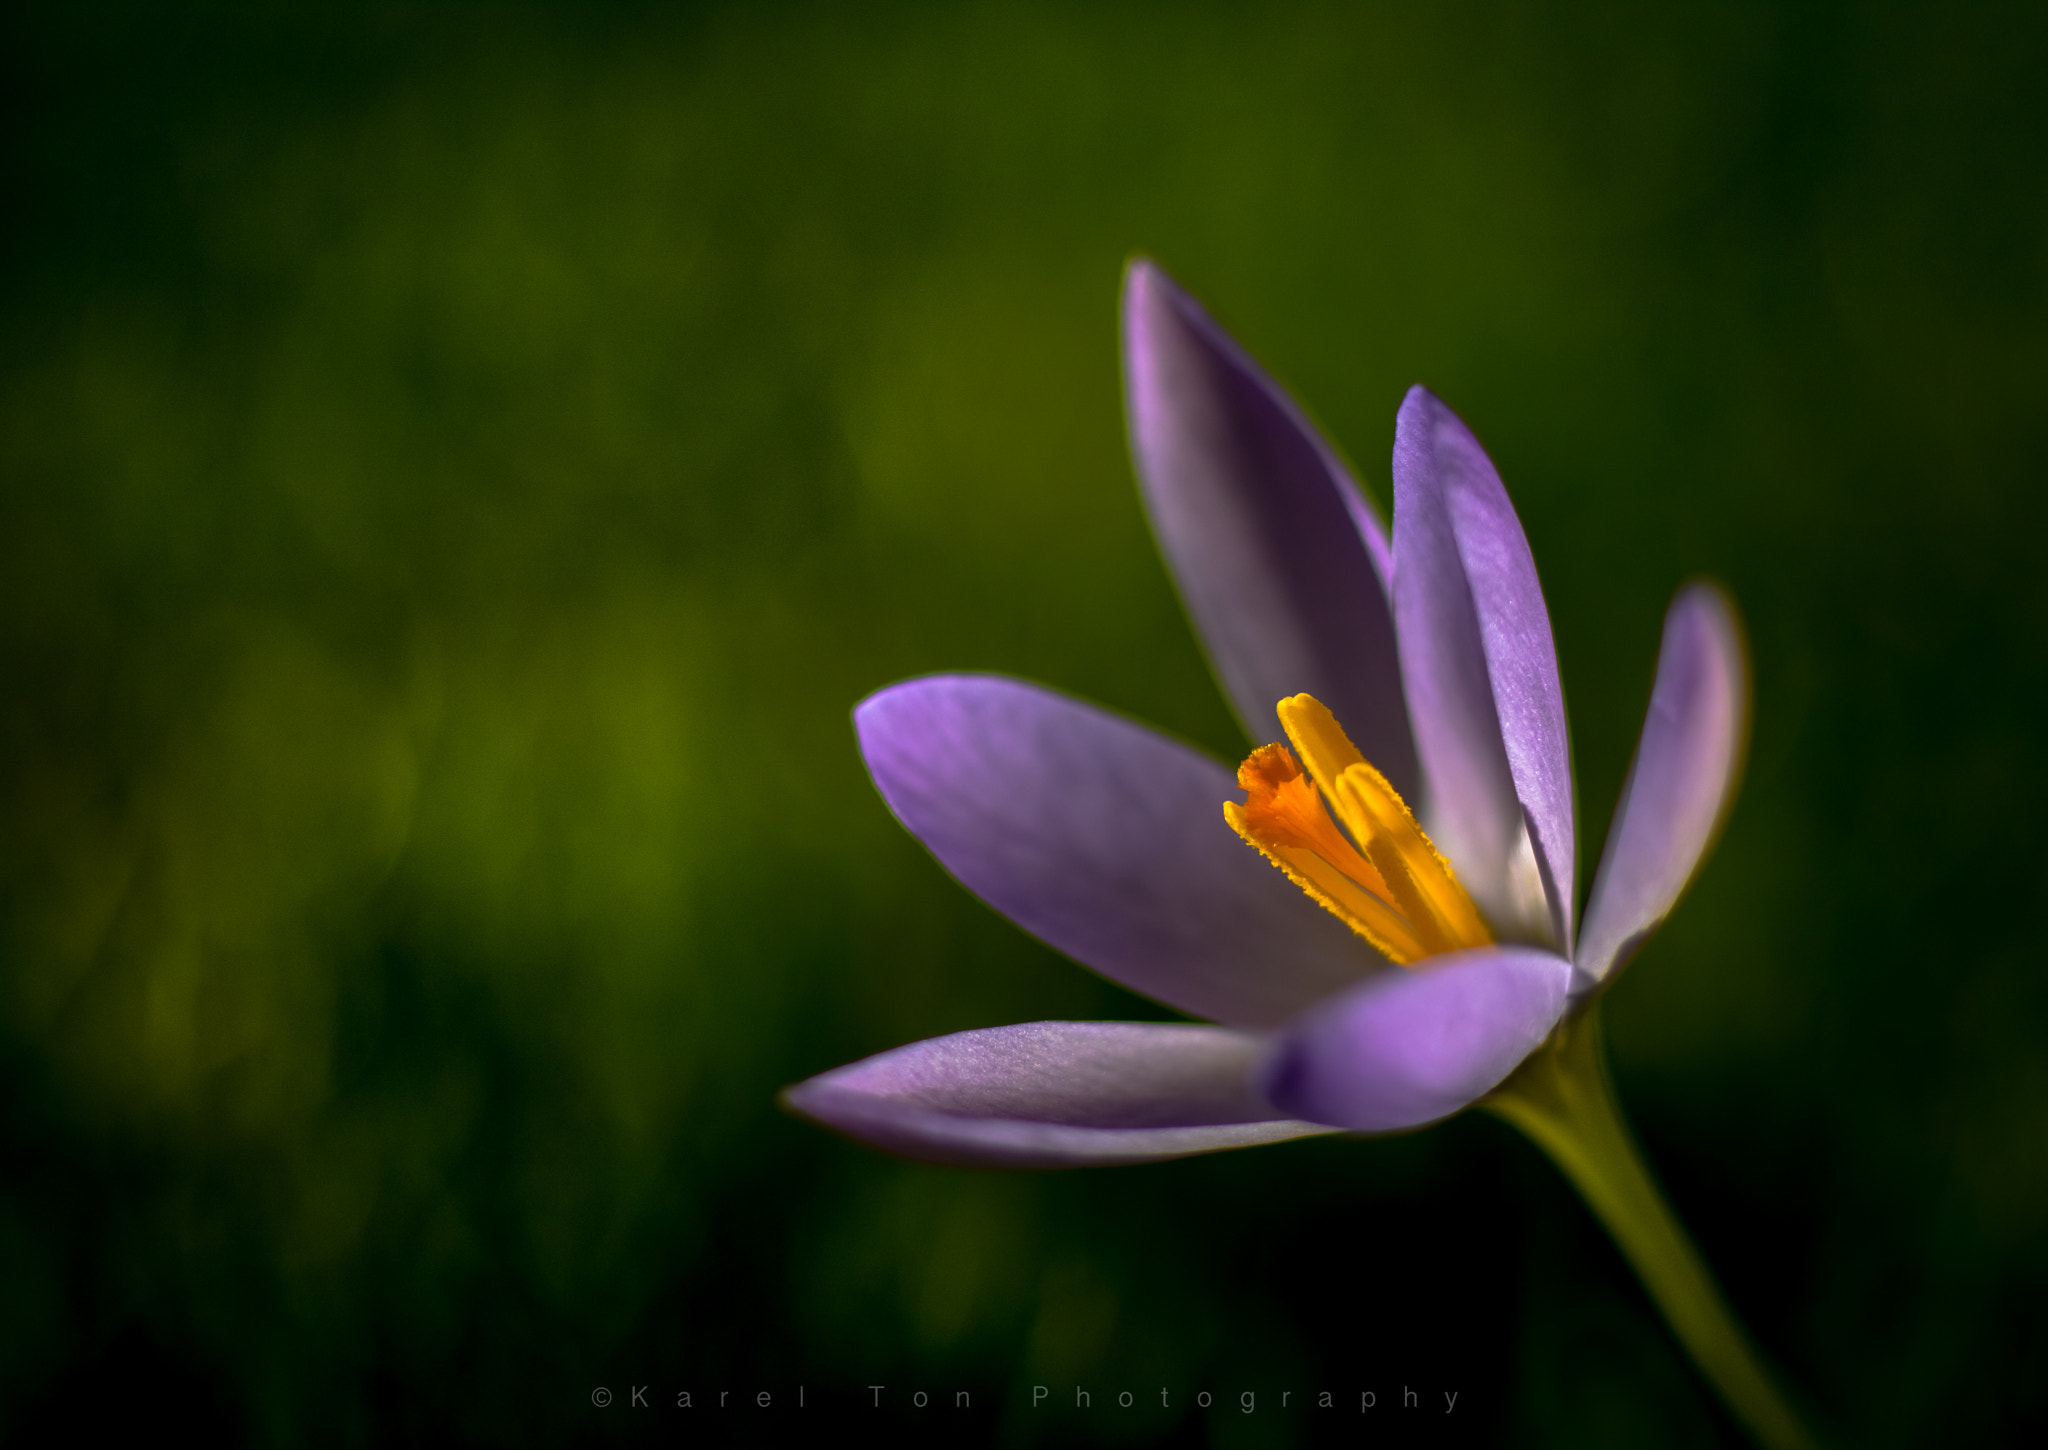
(1418, 949)
(1401, 963)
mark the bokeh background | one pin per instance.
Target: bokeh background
(461, 465)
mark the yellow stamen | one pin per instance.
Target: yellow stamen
(1393, 887)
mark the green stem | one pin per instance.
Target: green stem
(1562, 1097)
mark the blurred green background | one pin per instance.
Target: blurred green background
(461, 465)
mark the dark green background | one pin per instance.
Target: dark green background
(461, 466)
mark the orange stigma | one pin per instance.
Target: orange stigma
(1385, 880)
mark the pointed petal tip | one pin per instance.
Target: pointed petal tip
(1712, 601)
(1424, 417)
(1159, 313)
(1148, 287)
(863, 708)
(1420, 413)
(873, 706)
(876, 717)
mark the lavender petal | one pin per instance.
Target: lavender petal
(1679, 785)
(1407, 1048)
(1281, 561)
(1107, 841)
(1054, 1094)
(1481, 672)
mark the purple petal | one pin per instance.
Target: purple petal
(1409, 1047)
(1106, 840)
(1280, 560)
(1481, 671)
(1679, 785)
(1052, 1094)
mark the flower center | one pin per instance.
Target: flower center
(1385, 881)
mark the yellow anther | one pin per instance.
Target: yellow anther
(1325, 749)
(1423, 884)
(1392, 887)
